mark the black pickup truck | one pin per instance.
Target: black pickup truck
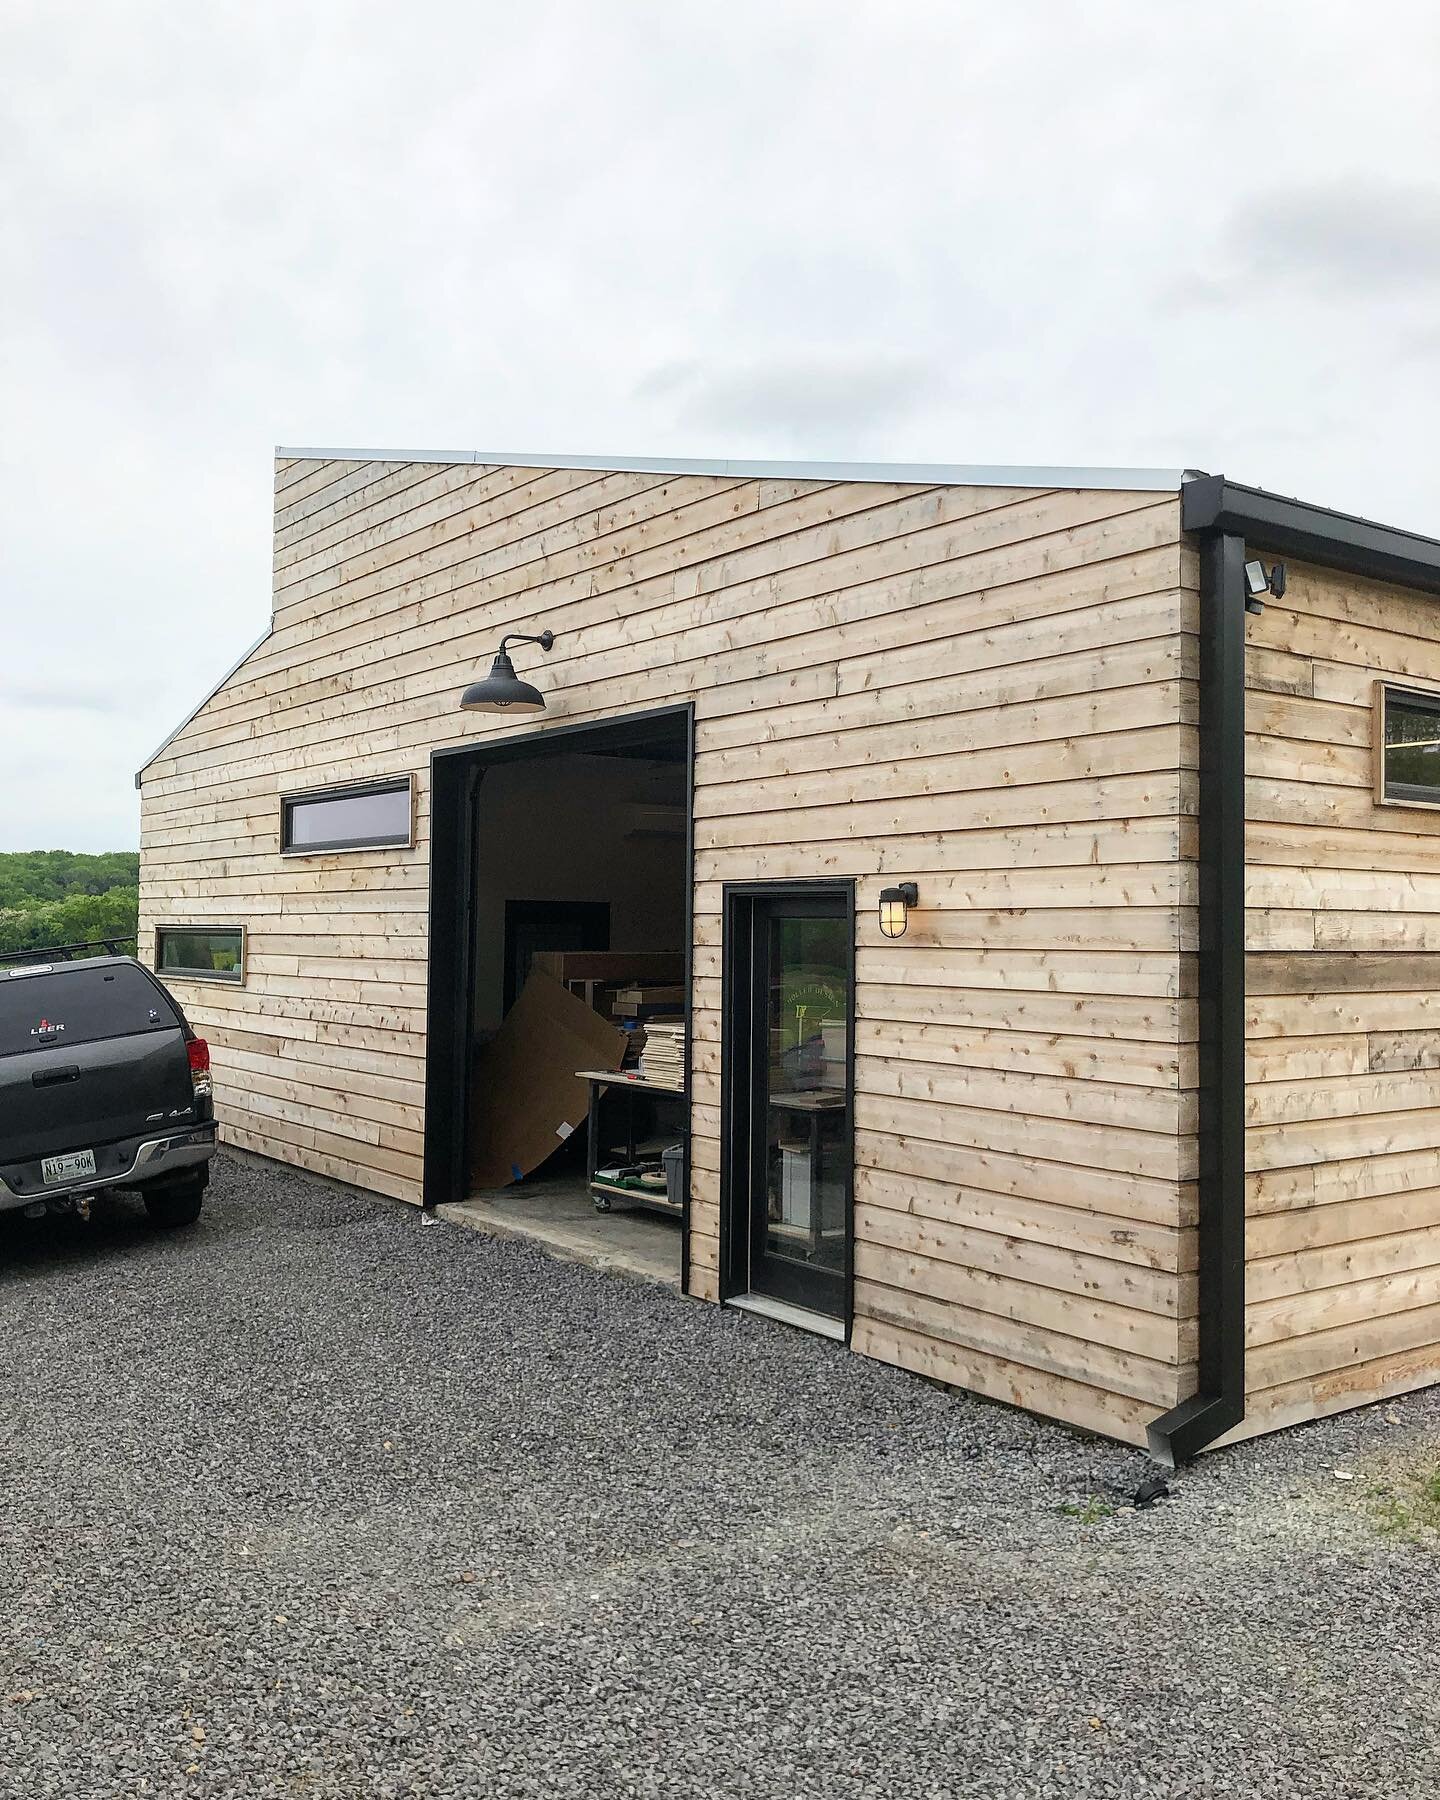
(102, 1085)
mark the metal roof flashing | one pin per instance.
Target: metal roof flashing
(922, 474)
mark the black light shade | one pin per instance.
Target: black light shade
(502, 690)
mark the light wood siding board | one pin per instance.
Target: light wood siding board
(1114, 598)
(990, 691)
(1342, 1011)
(354, 488)
(1185, 1045)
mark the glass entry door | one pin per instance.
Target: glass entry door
(791, 1016)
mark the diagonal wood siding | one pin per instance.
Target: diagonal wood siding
(989, 690)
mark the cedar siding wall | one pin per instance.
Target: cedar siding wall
(989, 691)
(1343, 1010)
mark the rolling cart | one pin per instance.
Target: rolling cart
(603, 1146)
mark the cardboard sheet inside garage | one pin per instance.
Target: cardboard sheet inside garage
(525, 1096)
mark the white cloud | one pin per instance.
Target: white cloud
(928, 231)
(805, 394)
(1361, 234)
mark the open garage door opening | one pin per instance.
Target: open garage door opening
(558, 1104)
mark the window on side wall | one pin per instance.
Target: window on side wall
(375, 816)
(1408, 746)
(200, 952)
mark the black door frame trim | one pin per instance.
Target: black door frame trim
(455, 773)
(734, 1243)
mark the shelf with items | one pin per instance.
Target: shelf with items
(653, 1199)
(609, 1147)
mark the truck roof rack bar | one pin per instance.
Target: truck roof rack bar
(113, 946)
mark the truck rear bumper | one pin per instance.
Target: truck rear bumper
(147, 1159)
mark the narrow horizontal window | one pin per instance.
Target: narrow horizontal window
(376, 817)
(1410, 746)
(201, 952)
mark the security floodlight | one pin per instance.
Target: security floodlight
(1259, 580)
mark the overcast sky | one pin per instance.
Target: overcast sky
(961, 231)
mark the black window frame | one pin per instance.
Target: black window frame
(1402, 793)
(202, 928)
(355, 790)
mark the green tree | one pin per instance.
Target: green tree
(28, 877)
(62, 897)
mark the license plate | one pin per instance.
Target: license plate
(67, 1168)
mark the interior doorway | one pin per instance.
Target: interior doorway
(557, 1067)
(542, 926)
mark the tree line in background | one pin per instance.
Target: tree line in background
(64, 897)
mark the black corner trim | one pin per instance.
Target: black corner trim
(1211, 504)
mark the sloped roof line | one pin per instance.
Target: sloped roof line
(919, 474)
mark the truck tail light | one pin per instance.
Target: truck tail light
(200, 1068)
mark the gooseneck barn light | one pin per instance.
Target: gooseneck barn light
(502, 690)
(895, 904)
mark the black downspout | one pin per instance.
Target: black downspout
(1219, 1402)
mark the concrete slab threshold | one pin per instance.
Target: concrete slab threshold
(560, 1218)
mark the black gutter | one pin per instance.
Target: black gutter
(1227, 518)
(1219, 1401)
(1313, 533)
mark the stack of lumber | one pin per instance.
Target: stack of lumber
(663, 1058)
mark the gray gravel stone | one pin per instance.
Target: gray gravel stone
(317, 1501)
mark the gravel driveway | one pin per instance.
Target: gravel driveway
(318, 1501)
